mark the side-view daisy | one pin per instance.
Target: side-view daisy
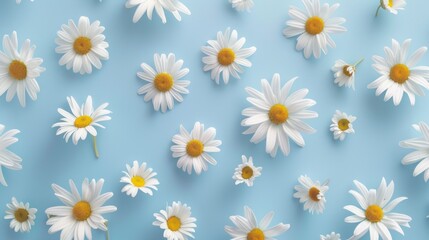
(277, 115)
(375, 213)
(344, 73)
(312, 194)
(246, 172)
(176, 221)
(139, 178)
(21, 216)
(331, 236)
(342, 124)
(8, 159)
(242, 5)
(391, 5)
(400, 74)
(226, 56)
(193, 148)
(147, 6)
(164, 82)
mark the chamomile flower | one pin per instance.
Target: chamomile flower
(375, 213)
(246, 172)
(164, 82)
(139, 178)
(176, 221)
(242, 5)
(19, 70)
(342, 124)
(193, 148)
(391, 5)
(8, 159)
(312, 194)
(400, 74)
(147, 6)
(277, 115)
(331, 236)
(21, 216)
(314, 27)
(82, 46)
(247, 227)
(344, 73)
(226, 56)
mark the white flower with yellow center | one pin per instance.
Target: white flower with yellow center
(164, 82)
(375, 213)
(139, 178)
(8, 159)
(193, 148)
(82, 46)
(246, 172)
(247, 227)
(314, 27)
(277, 115)
(312, 194)
(342, 124)
(226, 56)
(331, 236)
(344, 73)
(176, 221)
(399, 73)
(242, 5)
(147, 6)
(391, 5)
(21, 216)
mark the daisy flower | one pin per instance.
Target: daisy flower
(331, 236)
(399, 73)
(164, 83)
(8, 159)
(82, 46)
(193, 148)
(176, 221)
(81, 213)
(391, 5)
(19, 70)
(344, 73)
(247, 227)
(314, 27)
(342, 124)
(246, 172)
(277, 115)
(242, 5)
(226, 56)
(81, 121)
(21, 216)
(139, 178)
(312, 194)
(375, 213)
(147, 6)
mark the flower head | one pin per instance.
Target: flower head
(312, 194)
(242, 5)
(21, 216)
(147, 6)
(8, 159)
(176, 221)
(246, 172)
(139, 177)
(342, 124)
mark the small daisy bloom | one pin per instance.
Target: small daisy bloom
(375, 213)
(176, 221)
(82, 46)
(312, 194)
(139, 178)
(344, 73)
(342, 124)
(226, 56)
(8, 159)
(391, 5)
(21, 216)
(147, 6)
(314, 27)
(246, 172)
(277, 115)
(242, 5)
(247, 227)
(193, 148)
(399, 73)
(81, 213)
(164, 82)
(331, 236)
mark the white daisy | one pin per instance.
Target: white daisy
(399, 73)
(21, 216)
(314, 27)
(375, 215)
(193, 148)
(164, 84)
(176, 221)
(226, 56)
(342, 124)
(81, 213)
(147, 6)
(331, 236)
(139, 178)
(312, 194)
(277, 115)
(8, 159)
(246, 172)
(391, 5)
(19, 70)
(83, 45)
(242, 5)
(344, 73)
(247, 227)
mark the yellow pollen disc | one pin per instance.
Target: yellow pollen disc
(390, 3)
(82, 45)
(163, 82)
(21, 215)
(194, 148)
(374, 213)
(82, 211)
(278, 114)
(346, 71)
(256, 234)
(138, 181)
(313, 193)
(314, 25)
(18, 70)
(343, 124)
(226, 56)
(174, 223)
(82, 121)
(247, 172)
(399, 73)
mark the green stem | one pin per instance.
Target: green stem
(359, 62)
(107, 232)
(94, 144)
(378, 9)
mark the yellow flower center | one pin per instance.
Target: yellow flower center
(21, 215)
(278, 114)
(174, 223)
(82, 121)
(314, 25)
(163, 82)
(194, 148)
(226, 56)
(374, 213)
(18, 70)
(343, 124)
(346, 71)
(313, 193)
(138, 181)
(247, 172)
(82, 210)
(256, 234)
(390, 3)
(82, 45)
(399, 73)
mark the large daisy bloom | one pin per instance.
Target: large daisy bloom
(193, 148)
(139, 177)
(19, 70)
(331, 236)
(164, 82)
(226, 56)
(82, 46)
(247, 227)
(147, 6)
(80, 213)
(176, 221)
(391, 5)
(342, 124)
(344, 73)
(400, 74)
(246, 172)
(21, 216)
(375, 213)
(8, 159)
(277, 115)
(312, 194)
(242, 5)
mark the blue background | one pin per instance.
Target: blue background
(137, 132)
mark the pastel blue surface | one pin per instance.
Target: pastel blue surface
(137, 132)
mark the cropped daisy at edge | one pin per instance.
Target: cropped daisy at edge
(147, 6)
(8, 159)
